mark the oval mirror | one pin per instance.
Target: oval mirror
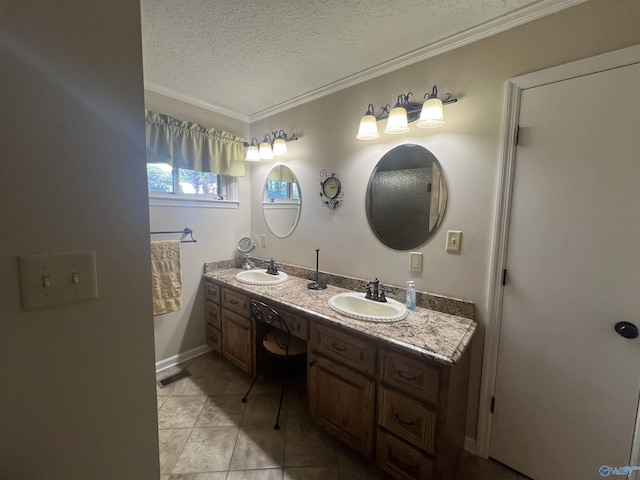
(406, 197)
(281, 201)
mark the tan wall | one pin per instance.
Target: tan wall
(217, 231)
(468, 148)
(77, 399)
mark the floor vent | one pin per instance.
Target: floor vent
(173, 378)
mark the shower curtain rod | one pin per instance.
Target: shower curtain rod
(186, 231)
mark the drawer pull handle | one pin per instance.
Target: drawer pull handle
(234, 302)
(408, 377)
(408, 423)
(338, 348)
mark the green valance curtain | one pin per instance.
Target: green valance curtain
(191, 146)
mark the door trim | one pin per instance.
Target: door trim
(513, 91)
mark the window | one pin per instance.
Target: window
(282, 190)
(167, 182)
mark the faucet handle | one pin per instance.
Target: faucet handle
(382, 297)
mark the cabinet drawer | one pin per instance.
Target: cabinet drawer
(212, 292)
(235, 302)
(410, 375)
(347, 349)
(401, 460)
(299, 326)
(214, 338)
(213, 314)
(408, 419)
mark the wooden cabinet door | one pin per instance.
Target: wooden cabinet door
(237, 340)
(342, 401)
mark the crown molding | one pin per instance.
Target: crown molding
(514, 19)
(487, 29)
(171, 93)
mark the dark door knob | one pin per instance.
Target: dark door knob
(627, 330)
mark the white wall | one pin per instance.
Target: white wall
(216, 229)
(467, 147)
(78, 396)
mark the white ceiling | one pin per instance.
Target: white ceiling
(251, 58)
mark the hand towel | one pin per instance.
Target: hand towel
(166, 276)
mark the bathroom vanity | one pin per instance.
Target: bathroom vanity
(395, 392)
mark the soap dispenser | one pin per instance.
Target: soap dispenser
(411, 295)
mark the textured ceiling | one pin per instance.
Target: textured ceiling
(247, 56)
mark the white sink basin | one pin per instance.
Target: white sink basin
(261, 277)
(354, 305)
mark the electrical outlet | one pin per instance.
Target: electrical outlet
(416, 262)
(454, 237)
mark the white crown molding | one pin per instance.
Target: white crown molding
(487, 29)
(492, 27)
(169, 92)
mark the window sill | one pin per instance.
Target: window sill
(191, 201)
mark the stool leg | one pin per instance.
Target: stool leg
(244, 399)
(284, 381)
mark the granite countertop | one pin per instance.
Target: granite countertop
(431, 334)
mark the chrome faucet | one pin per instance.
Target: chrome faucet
(272, 268)
(378, 292)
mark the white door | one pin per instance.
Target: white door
(567, 384)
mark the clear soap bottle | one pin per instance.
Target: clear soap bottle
(411, 295)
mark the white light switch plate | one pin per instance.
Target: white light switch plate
(454, 237)
(55, 279)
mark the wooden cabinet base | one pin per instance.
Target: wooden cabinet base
(401, 460)
(342, 401)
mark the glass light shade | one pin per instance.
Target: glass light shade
(252, 154)
(431, 114)
(368, 128)
(397, 122)
(279, 147)
(265, 151)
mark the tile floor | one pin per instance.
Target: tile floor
(207, 433)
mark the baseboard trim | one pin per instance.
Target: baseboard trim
(470, 445)
(182, 357)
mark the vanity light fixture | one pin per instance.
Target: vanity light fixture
(274, 144)
(428, 113)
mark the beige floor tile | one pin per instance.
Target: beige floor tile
(199, 476)
(311, 473)
(207, 450)
(180, 412)
(476, 468)
(221, 411)
(171, 443)
(262, 474)
(308, 446)
(258, 447)
(262, 409)
(161, 401)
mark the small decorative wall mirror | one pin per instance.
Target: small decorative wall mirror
(330, 190)
(281, 201)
